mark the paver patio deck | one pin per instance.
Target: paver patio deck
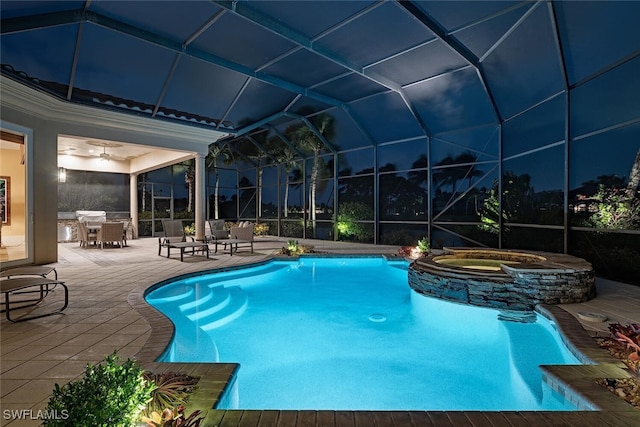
(37, 354)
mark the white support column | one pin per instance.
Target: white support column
(200, 196)
(133, 204)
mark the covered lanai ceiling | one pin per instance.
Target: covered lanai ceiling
(384, 70)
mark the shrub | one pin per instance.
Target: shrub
(110, 395)
(292, 228)
(349, 216)
(190, 229)
(615, 209)
(397, 238)
(261, 229)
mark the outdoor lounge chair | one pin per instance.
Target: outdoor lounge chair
(30, 270)
(239, 236)
(43, 286)
(215, 231)
(175, 237)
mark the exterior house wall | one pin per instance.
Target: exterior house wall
(47, 117)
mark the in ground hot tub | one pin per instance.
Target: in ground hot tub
(503, 279)
(474, 263)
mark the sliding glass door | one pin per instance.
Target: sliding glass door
(13, 195)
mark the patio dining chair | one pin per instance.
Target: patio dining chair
(85, 236)
(111, 232)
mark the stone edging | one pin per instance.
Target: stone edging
(577, 383)
(535, 278)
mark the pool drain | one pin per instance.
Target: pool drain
(377, 317)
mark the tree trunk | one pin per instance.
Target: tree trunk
(216, 192)
(634, 178)
(313, 184)
(286, 196)
(259, 192)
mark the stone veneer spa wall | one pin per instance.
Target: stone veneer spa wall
(503, 279)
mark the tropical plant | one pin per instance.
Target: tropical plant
(629, 336)
(624, 340)
(292, 245)
(111, 394)
(405, 251)
(173, 418)
(171, 390)
(293, 248)
(423, 245)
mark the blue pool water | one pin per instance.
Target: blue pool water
(349, 333)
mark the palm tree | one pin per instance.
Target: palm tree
(286, 157)
(468, 169)
(443, 176)
(457, 169)
(260, 154)
(190, 179)
(218, 154)
(296, 176)
(306, 139)
(142, 181)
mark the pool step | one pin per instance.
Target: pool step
(205, 297)
(219, 306)
(171, 294)
(243, 276)
(217, 298)
(237, 303)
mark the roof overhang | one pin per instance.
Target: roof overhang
(171, 142)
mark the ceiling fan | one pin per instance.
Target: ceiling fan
(104, 155)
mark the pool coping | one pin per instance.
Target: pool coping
(576, 383)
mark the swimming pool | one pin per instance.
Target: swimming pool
(349, 333)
